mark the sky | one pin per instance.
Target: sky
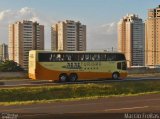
(100, 17)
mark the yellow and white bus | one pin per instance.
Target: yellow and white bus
(76, 65)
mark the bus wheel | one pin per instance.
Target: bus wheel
(73, 77)
(115, 75)
(63, 77)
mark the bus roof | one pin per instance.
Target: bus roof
(45, 51)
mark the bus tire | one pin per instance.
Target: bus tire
(63, 77)
(73, 77)
(115, 75)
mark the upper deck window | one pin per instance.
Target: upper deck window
(57, 57)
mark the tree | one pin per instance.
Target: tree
(10, 65)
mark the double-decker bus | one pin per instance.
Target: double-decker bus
(76, 65)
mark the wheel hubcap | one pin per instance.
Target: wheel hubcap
(63, 78)
(73, 78)
(115, 75)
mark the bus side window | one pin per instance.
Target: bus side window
(108, 57)
(93, 57)
(119, 65)
(111, 57)
(98, 58)
(74, 57)
(62, 57)
(53, 57)
(58, 57)
(69, 57)
(81, 57)
(103, 57)
(44, 57)
(50, 58)
(114, 57)
(120, 57)
(87, 57)
(47, 58)
(65, 57)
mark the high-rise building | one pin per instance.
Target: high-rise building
(152, 37)
(23, 37)
(131, 39)
(68, 36)
(3, 52)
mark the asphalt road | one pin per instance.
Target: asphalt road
(87, 108)
(28, 82)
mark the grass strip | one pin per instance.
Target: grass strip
(76, 91)
(71, 99)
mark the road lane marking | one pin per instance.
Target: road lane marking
(127, 108)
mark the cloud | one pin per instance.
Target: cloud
(26, 13)
(11, 16)
(25, 10)
(102, 37)
(109, 28)
(5, 14)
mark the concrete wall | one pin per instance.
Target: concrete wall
(13, 75)
(143, 70)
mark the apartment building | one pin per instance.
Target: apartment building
(68, 36)
(152, 37)
(23, 37)
(131, 39)
(3, 52)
